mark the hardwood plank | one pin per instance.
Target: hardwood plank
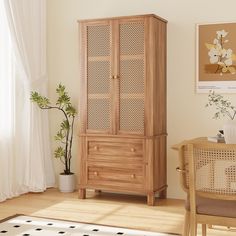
(107, 208)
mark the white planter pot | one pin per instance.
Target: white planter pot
(66, 183)
(230, 132)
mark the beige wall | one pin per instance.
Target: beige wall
(187, 115)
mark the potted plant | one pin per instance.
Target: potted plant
(224, 108)
(65, 134)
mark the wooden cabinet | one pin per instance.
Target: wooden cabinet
(123, 105)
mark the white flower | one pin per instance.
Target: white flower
(228, 62)
(216, 41)
(217, 44)
(223, 52)
(228, 53)
(221, 33)
(214, 55)
(218, 47)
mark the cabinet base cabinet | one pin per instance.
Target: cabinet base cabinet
(120, 164)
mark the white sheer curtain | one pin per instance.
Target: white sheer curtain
(25, 154)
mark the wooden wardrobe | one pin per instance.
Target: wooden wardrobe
(122, 133)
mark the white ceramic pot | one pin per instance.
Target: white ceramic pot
(67, 183)
(230, 132)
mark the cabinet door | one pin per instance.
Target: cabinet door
(98, 77)
(131, 76)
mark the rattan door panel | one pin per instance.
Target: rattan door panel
(98, 40)
(132, 76)
(132, 38)
(98, 114)
(99, 77)
(99, 99)
(131, 70)
(132, 115)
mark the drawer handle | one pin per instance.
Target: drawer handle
(95, 148)
(133, 176)
(178, 169)
(95, 173)
(132, 150)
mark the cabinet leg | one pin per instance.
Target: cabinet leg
(151, 199)
(163, 194)
(98, 191)
(82, 193)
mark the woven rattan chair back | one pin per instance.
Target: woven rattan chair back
(208, 171)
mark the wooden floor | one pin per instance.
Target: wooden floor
(108, 209)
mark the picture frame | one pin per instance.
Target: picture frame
(216, 57)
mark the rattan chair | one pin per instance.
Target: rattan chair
(208, 175)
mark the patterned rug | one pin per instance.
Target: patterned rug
(35, 226)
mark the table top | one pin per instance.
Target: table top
(202, 140)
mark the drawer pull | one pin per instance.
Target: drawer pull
(95, 173)
(132, 150)
(95, 148)
(133, 176)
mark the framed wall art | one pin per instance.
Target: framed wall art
(216, 57)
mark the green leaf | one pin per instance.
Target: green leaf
(60, 90)
(60, 135)
(59, 152)
(70, 111)
(63, 100)
(65, 125)
(42, 102)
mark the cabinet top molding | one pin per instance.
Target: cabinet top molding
(122, 17)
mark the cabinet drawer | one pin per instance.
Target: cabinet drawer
(115, 151)
(115, 176)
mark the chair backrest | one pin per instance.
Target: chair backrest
(209, 169)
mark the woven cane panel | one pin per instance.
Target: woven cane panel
(211, 166)
(132, 76)
(98, 114)
(98, 77)
(132, 38)
(215, 170)
(98, 40)
(132, 115)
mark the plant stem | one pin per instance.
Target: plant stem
(67, 160)
(71, 138)
(226, 112)
(233, 115)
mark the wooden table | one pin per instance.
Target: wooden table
(229, 154)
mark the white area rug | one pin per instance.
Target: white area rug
(36, 226)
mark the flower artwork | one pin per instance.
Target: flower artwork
(216, 57)
(221, 58)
